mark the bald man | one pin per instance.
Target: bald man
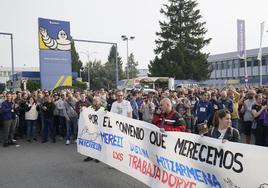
(168, 119)
(225, 103)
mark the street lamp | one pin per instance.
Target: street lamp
(88, 73)
(80, 71)
(12, 57)
(125, 38)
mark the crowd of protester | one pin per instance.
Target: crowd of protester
(43, 116)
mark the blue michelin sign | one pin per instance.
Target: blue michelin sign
(54, 53)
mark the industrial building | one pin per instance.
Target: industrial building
(228, 68)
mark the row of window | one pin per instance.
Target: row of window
(231, 64)
(5, 73)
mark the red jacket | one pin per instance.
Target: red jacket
(170, 122)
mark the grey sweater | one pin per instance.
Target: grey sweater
(68, 109)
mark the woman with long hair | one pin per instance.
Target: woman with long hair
(222, 128)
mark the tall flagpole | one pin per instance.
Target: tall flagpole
(246, 68)
(241, 45)
(260, 52)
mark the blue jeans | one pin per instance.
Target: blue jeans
(31, 128)
(62, 127)
(71, 126)
(48, 129)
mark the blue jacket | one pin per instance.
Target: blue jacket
(135, 109)
(7, 113)
(202, 110)
(228, 104)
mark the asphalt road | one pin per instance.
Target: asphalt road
(55, 165)
(48, 165)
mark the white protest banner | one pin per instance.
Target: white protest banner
(170, 159)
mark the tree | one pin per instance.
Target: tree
(32, 86)
(179, 44)
(76, 62)
(80, 85)
(133, 71)
(103, 76)
(110, 68)
(98, 79)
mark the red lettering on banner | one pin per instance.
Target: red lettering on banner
(139, 164)
(135, 162)
(149, 169)
(144, 167)
(118, 156)
(172, 180)
(179, 182)
(164, 177)
(157, 174)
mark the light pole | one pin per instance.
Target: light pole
(88, 73)
(12, 56)
(125, 38)
(104, 42)
(80, 71)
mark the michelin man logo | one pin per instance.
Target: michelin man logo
(62, 43)
(91, 131)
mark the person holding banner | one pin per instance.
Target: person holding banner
(222, 128)
(96, 106)
(168, 119)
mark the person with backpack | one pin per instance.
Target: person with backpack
(71, 117)
(222, 127)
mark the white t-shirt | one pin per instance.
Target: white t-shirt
(32, 114)
(223, 131)
(122, 108)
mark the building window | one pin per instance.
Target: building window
(217, 66)
(263, 60)
(225, 64)
(249, 63)
(242, 63)
(222, 65)
(230, 64)
(255, 63)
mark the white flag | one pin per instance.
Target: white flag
(261, 36)
(241, 39)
